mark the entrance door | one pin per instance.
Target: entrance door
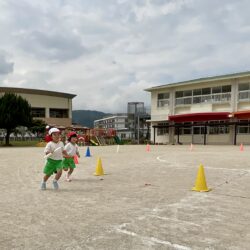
(198, 134)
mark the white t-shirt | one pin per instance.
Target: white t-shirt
(51, 147)
(71, 149)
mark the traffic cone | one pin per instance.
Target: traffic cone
(148, 148)
(200, 183)
(99, 169)
(87, 152)
(241, 147)
(76, 159)
(191, 147)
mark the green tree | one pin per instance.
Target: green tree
(38, 126)
(14, 111)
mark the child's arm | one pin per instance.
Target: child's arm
(64, 152)
(47, 149)
(47, 155)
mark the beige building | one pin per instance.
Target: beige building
(213, 110)
(55, 108)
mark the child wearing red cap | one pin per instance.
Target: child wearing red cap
(71, 149)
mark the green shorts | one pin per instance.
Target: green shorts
(68, 163)
(52, 166)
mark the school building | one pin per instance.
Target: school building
(55, 108)
(212, 110)
(118, 122)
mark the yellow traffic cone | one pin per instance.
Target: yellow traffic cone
(200, 184)
(99, 169)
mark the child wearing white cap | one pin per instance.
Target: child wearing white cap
(54, 154)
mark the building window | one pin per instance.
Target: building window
(59, 113)
(218, 128)
(178, 94)
(243, 86)
(244, 129)
(184, 128)
(162, 131)
(123, 136)
(163, 100)
(244, 92)
(38, 112)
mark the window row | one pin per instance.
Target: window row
(212, 94)
(53, 113)
(204, 91)
(213, 98)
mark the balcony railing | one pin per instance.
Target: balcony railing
(212, 98)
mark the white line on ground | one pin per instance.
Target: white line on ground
(232, 169)
(175, 220)
(154, 240)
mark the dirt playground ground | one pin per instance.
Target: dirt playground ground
(143, 202)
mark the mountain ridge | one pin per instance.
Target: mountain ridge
(86, 117)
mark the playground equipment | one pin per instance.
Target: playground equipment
(95, 137)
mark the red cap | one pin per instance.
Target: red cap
(70, 134)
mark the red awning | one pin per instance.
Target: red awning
(197, 117)
(245, 114)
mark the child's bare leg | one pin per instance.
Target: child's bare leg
(46, 177)
(43, 185)
(70, 171)
(58, 174)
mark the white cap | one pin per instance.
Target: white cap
(54, 130)
(47, 127)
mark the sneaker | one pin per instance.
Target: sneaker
(43, 186)
(68, 179)
(55, 184)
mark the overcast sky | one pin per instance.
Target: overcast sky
(108, 51)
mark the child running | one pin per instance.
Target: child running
(71, 150)
(54, 151)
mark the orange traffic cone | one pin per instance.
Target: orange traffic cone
(76, 159)
(200, 184)
(99, 169)
(191, 147)
(148, 148)
(241, 147)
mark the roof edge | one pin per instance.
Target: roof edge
(200, 80)
(35, 92)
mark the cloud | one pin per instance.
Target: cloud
(55, 46)
(107, 52)
(5, 66)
